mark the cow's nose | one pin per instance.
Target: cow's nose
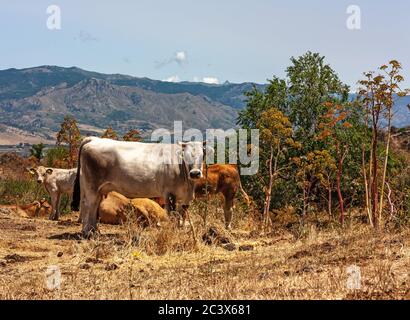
(195, 174)
(39, 181)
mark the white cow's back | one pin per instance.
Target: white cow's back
(137, 170)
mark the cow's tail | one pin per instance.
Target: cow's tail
(244, 194)
(75, 203)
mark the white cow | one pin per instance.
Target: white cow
(57, 182)
(136, 170)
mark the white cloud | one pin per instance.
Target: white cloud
(181, 57)
(210, 80)
(172, 79)
(207, 80)
(84, 36)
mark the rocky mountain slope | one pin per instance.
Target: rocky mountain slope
(35, 101)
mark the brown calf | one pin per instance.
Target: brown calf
(36, 209)
(113, 208)
(224, 179)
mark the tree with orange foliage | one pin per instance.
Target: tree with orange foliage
(333, 124)
(70, 134)
(132, 135)
(276, 133)
(315, 166)
(110, 134)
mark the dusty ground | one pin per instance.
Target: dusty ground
(127, 263)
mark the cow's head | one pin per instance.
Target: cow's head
(193, 155)
(40, 173)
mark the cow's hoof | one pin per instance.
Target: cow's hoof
(53, 217)
(88, 233)
(183, 224)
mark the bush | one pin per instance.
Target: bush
(21, 191)
(56, 157)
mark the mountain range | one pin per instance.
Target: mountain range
(34, 101)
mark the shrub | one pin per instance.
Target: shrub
(21, 191)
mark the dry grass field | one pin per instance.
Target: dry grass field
(123, 262)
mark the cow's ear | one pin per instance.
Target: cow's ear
(182, 144)
(49, 171)
(32, 171)
(180, 153)
(209, 154)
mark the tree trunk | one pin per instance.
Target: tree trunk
(304, 202)
(366, 187)
(268, 194)
(338, 187)
(386, 158)
(390, 201)
(329, 201)
(374, 186)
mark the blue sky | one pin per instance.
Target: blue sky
(212, 40)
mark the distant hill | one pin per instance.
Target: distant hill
(401, 113)
(401, 139)
(35, 100)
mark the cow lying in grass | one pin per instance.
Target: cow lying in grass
(114, 207)
(57, 182)
(35, 209)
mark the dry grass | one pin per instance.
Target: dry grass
(125, 262)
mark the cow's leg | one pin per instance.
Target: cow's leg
(58, 207)
(170, 202)
(186, 216)
(170, 205)
(88, 212)
(55, 199)
(80, 215)
(228, 211)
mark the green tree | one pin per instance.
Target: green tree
(56, 157)
(256, 104)
(312, 82)
(37, 150)
(309, 83)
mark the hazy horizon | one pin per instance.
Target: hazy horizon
(212, 42)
